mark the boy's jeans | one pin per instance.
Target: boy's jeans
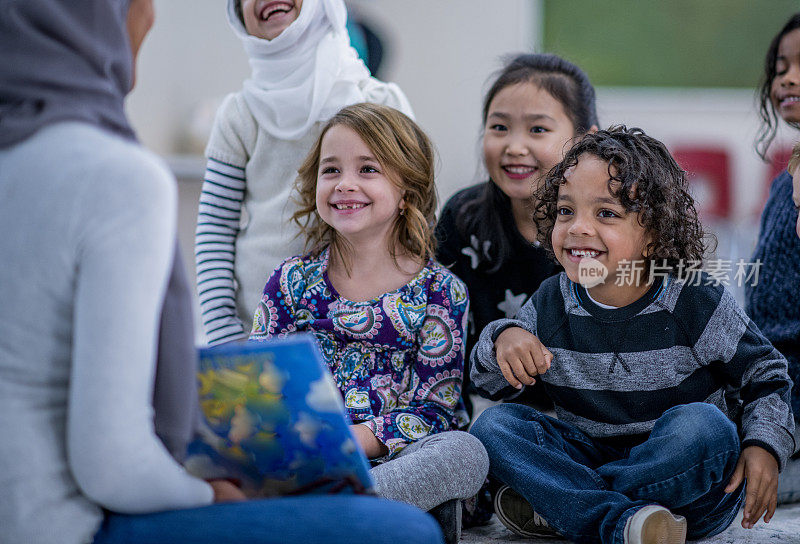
(587, 490)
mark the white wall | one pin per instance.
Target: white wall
(724, 118)
(189, 59)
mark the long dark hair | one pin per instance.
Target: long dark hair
(487, 212)
(766, 111)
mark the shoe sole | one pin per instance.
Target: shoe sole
(513, 527)
(663, 528)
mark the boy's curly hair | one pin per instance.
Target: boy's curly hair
(406, 154)
(646, 180)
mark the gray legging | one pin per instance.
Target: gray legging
(440, 467)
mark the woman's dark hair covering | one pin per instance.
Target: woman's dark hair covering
(63, 60)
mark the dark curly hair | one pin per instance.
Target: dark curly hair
(766, 110)
(646, 180)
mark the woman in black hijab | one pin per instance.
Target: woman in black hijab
(97, 363)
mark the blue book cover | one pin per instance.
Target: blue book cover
(274, 421)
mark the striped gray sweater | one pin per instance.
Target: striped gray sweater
(218, 220)
(614, 372)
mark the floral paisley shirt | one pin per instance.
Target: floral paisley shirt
(398, 360)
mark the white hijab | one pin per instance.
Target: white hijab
(304, 75)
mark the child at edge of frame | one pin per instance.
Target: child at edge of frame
(667, 395)
(774, 301)
(388, 318)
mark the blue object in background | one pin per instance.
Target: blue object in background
(367, 44)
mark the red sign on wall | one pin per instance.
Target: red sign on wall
(708, 172)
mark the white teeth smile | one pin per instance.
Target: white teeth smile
(519, 169)
(790, 100)
(351, 206)
(283, 8)
(584, 253)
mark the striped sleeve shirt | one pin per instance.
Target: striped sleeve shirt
(218, 219)
(616, 371)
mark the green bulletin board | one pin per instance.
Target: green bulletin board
(668, 43)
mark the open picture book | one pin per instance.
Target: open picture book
(274, 421)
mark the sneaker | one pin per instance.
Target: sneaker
(517, 514)
(448, 515)
(655, 524)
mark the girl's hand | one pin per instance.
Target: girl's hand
(225, 491)
(521, 356)
(368, 441)
(760, 469)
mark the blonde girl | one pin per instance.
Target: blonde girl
(388, 318)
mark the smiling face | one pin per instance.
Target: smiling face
(785, 90)
(525, 135)
(268, 18)
(355, 195)
(591, 223)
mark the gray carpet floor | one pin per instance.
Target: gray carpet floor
(784, 528)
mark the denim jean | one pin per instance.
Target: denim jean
(310, 519)
(587, 490)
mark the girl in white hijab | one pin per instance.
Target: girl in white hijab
(303, 71)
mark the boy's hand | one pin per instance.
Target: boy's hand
(521, 356)
(760, 469)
